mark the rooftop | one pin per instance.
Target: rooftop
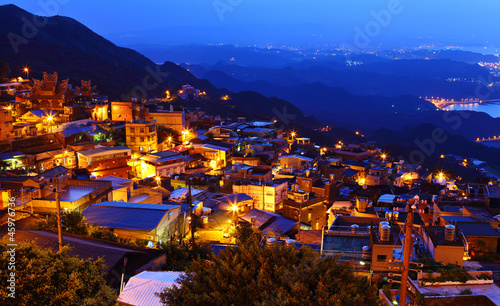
(141, 289)
(80, 247)
(133, 216)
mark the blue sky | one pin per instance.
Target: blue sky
(463, 20)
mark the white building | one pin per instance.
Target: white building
(267, 197)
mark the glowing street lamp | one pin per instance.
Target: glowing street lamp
(185, 134)
(158, 180)
(384, 156)
(27, 71)
(234, 208)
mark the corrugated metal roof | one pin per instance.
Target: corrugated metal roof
(477, 229)
(296, 156)
(236, 198)
(141, 288)
(80, 247)
(103, 150)
(269, 222)
(72, 131)
(124, 217)
(182, 193)
(387, 198)
(137, 205)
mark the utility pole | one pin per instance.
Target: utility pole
(298, 222)
(406, 257)
(190, 202)
(58, 204)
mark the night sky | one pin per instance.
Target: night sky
(449, 21)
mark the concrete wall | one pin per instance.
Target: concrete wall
(381, 250)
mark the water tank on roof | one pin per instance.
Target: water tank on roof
(388, 215)
(204, 222)
(253, 220)
(367, 253)
(332, 178)
(290, 242)
(384, 223)
(354, 228)
(270, 242)
(449, 233)
(395, 216)
(384, 232)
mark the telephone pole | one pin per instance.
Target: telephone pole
(58, 204)
(190, 202)
(406, 257)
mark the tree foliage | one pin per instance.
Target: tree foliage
(43, 277)
(4, 70)
(180, 253)
(279, 275)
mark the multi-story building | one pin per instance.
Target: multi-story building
(162, 164)
(123, 111)
(141, 136)
(6, 125)
(378, 176)
(169, 119)
(266, 196)
(104, 161)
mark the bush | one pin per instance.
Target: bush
(485, 276)
(449, 273)
(466, 291)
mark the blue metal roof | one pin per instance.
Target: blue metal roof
(134, 216)
(72, 131)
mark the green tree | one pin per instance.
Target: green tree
(246, 234)
(4, 70)
(180, 253)
(277, 275)
(74, 223)
(43, 277)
